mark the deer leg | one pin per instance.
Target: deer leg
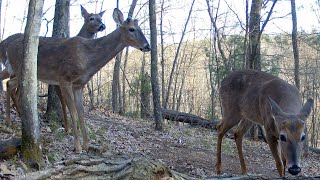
(241, 130)
(12, 85)
(64, 110)
(273, 144)
(69, 97)
(225, 125)
(78, 95)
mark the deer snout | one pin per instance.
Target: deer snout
(146, 48)
(294, 170)
(102, 27)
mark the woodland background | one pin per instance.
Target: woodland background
(198, 44)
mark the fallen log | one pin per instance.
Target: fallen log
(138, 168)
(188, 118)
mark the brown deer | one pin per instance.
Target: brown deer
(92, 25)
(249, 97)
(70, 63)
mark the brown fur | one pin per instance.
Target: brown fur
(70, 63)
(248, 97)
(92, 25)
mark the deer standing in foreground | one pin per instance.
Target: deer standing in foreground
(248, 97)
(92, 25)
(70, 63)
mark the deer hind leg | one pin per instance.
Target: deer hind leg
(69, 97)
(273, 144)
(12, 85)
(225, 125)
(78, 95)
(64, 110)
(241, 130)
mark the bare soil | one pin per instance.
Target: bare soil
(185, 149)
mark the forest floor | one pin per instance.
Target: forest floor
(185, 149)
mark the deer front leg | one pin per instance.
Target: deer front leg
(241, 130)
(64, 109)
(273, 144)
(78, 95)
(225, 125)
(69, 97)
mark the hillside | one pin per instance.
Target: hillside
(185, 149)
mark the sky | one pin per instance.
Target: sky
(174, 20)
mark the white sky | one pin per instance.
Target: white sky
(173, 22)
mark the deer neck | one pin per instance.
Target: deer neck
(85, 33)
(103, 50)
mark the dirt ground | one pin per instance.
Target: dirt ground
(185, 149)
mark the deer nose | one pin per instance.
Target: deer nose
(294, 170)
(102, 27)
(146, 48)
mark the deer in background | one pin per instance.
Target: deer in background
(70, 63)
(92, 25)
(248, 97)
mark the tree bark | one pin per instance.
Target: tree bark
(60, 29)
(154, 66)
(31, 142)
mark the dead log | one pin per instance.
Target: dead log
(111, 167)
(315, 150)
(10, 148)
(188, 118)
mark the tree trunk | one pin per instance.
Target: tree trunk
(115, 85)
(145, 92)
(253, 51)
(176, 58)
(31, 142)
(163, 89)
(154, 66)
(60, 29)
(1, 86)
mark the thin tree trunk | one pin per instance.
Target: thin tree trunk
(154, 66)
(163, 89)
(124, 80)
(31, 142)
(176, 57)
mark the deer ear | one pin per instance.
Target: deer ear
(275, 108)
(101, 13)
(84, 12)
(306, 109)
(117, 16)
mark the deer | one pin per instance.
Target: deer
(71, 62)
(92, 25)
(251, 97)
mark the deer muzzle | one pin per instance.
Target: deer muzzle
(146, 48)
(102, 27)
(294, 170)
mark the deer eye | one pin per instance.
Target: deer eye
(283, 138)
(303, 138)
(91, 19)
(131, 29)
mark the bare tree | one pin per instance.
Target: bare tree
(31, 142)
(60, 29)
(117, 105)
(176, 57)
(154, 66)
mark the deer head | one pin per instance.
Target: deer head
(291, 133)
(131, 32)
(92, 21)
